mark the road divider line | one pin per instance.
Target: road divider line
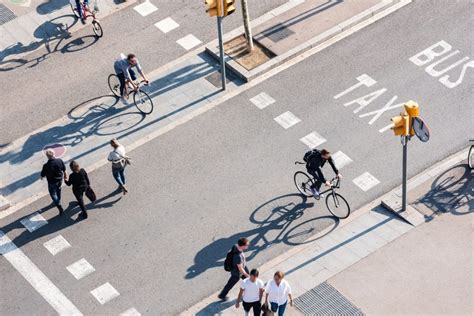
(38, 280)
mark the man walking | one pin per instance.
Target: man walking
(251, 293)
(54, 171)
(237, 266)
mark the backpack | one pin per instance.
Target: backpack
(309, 155)
(229, 258)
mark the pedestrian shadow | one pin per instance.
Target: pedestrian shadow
(273, 225)
(51, 6)
(57, 223)
(451, 192)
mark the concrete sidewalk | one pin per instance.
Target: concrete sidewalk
(317, 269)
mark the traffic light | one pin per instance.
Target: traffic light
(400, 124)
(213, 7)
(413, 110)
(229, 7)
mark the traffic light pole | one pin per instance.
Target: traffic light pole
(221, 50)
(405, 140)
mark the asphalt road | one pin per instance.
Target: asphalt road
(76, 69)
(228, 173)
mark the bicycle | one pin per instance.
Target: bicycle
(87, 12)
(141, 99)
(470, 156)
(335, 203)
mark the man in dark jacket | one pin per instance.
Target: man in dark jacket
(238, 269)
(315, 160)
(54, 171)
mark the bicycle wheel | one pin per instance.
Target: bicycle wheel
(74, 9)
(337, 205)
(143, 101)
(303, 183)
(470, 157)
(114, 84)
(97, 28)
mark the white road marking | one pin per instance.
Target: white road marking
(36, 278)
(80, 269)
(33, 222)
(189, 41)
(56, 245)
(166, 25)
(366, 181)
(262, 100)
(130, 312)
(105, 293)
(287, 120)
(313, 140)
(341, 159)
(387, 107)
(145, 8)
(364, 80)
(386, 128)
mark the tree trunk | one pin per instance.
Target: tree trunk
(248, 31)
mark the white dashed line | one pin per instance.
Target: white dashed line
(80, 269)
(366, 181)
(188, 42)
(166, 25)
(287, 120)
(341, 159)
(145, 8)
(262, 100)
(56, 245)
(105, 293)
(33, 222)
(313, 140)
(130, 312)
(36, 278)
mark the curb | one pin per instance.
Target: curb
(248, 75)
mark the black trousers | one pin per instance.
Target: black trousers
(257, 307)
(79, 194)
(121, 77)
(234, 278)
(318, 181)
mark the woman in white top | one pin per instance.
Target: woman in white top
(251, 292)
(119, 161)
(277, 293)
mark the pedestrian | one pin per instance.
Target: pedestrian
(80, 182)
(251, 292)
(277, 292)
(236, 266)
(119, 161)
(54, 171)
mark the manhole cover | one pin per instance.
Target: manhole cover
(6, 14)
(59, 149)
(278, 32)
(325, 300)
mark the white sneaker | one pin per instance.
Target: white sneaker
(124, 101)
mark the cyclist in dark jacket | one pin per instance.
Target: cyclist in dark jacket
(315, 160)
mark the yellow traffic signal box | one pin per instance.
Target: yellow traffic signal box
(229, 7)
(400, 124)
(413, 110)
(213, 7)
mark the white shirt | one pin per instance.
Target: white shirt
(278, 294)
(251, 290)
(117, 154)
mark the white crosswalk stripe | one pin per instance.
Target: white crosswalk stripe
(80, 269)
(145, 8)
(105, 293)
(287, 120)
(313, 140)
(366, 181)
(57, 244)
(166, 25)
(33, 222)
(262, 100)
(188, 42)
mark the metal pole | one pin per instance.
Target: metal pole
(221, 50)
(404, 175)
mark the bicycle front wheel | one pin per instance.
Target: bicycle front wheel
(143, 101)
(97, 28)
(303, 183)
(114, 84)
(470, 158)
(337, 205)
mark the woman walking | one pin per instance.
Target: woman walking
(119, 161)
(277, 292)
(80, 182)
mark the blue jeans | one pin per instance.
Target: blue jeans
(280, 308)
(54, 189)
(79, 8)
(119, 175)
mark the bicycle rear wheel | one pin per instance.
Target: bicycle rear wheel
(143, 101)
(470, 157)
(97, 28)
(337, 205)
(303, 183)
(114, 85)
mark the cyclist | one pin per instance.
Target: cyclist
(315, 160)
(79, 9)
(123, 69)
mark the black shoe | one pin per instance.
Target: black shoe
(83, 21)
(83, 215)
(223, 298)
(61, 210)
